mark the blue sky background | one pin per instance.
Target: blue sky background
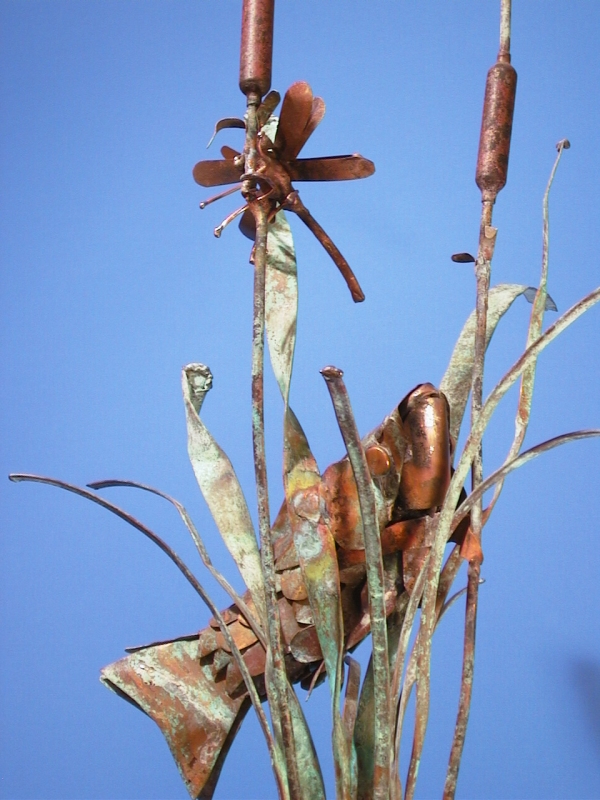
(112, 280)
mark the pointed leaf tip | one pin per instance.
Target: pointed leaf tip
(530, 293)
(456, 383)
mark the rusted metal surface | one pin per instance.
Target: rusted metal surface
(277, 164)
(292, 584)
(351, 697)
(347, 552)
(256, 51)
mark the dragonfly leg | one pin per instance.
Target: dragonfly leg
(210, 200)
(234, 214)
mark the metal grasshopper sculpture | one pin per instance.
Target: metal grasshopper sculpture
(279, 165)
(193, 688)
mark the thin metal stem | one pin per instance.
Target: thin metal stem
(505, 11)
(474, 439)
(277, 689)
(447, 577)
(375, 580)
(221, 195)
(491, 177)
(429, 603)
(510, 465)
(487, 239)
(202, 551)
(535, 327)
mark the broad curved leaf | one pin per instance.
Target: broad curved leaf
(222, 492)
(456, 383)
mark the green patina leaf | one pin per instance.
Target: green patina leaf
(281, 300)
(313, 540)
(309, 772)
(222, 491)
(456, 383)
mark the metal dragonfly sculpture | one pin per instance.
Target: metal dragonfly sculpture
(192, 686)
(278, 165)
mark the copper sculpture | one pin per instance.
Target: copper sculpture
(359, 549)
(192, 686)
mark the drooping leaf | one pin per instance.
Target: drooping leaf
(184, 642)
(124, 515)
(456, 383)
(227, 122)
(512, 464)
(474, 440)
(222, 492)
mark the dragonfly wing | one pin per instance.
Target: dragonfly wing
(295, 114)
(228, 152)
(267, 107)
(316, 115)
(216, 173)
(331, 168)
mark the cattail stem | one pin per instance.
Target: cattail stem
(277, 687)
(492, 168)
